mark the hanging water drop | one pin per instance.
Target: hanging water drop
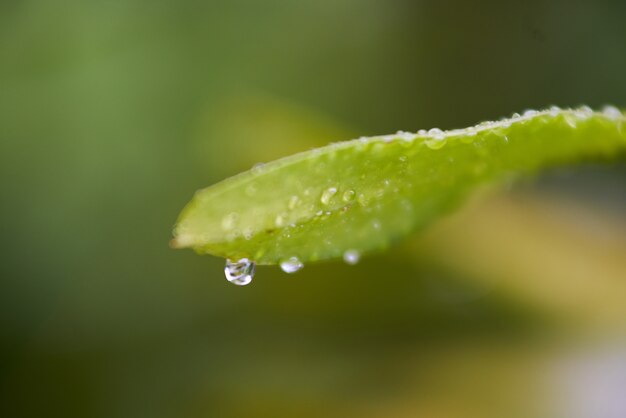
(291, 265)
(351, 257)
(240, 272)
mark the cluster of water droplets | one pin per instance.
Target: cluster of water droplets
(435, 138)
(241, 272)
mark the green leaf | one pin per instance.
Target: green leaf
(361, 195)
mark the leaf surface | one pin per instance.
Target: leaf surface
(362, 195)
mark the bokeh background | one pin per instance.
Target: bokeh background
(112, 113)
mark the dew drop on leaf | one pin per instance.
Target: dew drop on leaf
(611, 112)
(351, 257)
(291, 265)
(240, 272)
(437, 133)
(348, 196)
(327, 195)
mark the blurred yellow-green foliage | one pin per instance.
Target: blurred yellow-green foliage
(113, 112)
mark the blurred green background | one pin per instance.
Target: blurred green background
(112, 113)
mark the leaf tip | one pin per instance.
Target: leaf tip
(181, 241)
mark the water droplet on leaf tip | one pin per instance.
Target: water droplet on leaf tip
(240, 272)
(351, 257)
(291, 265)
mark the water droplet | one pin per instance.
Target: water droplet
(471, 131)
(240, 272)
(516, 116)
(228, 222)
(583, 112)
(280, 220)
(351, 257)
(529, 113)
(407, 136)
(436, 133)
(611, 112)
(291, 265)
(258, 167)
(327, 195)
(348, 196)
(554, 110)
(422, 132)
(293, 202)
